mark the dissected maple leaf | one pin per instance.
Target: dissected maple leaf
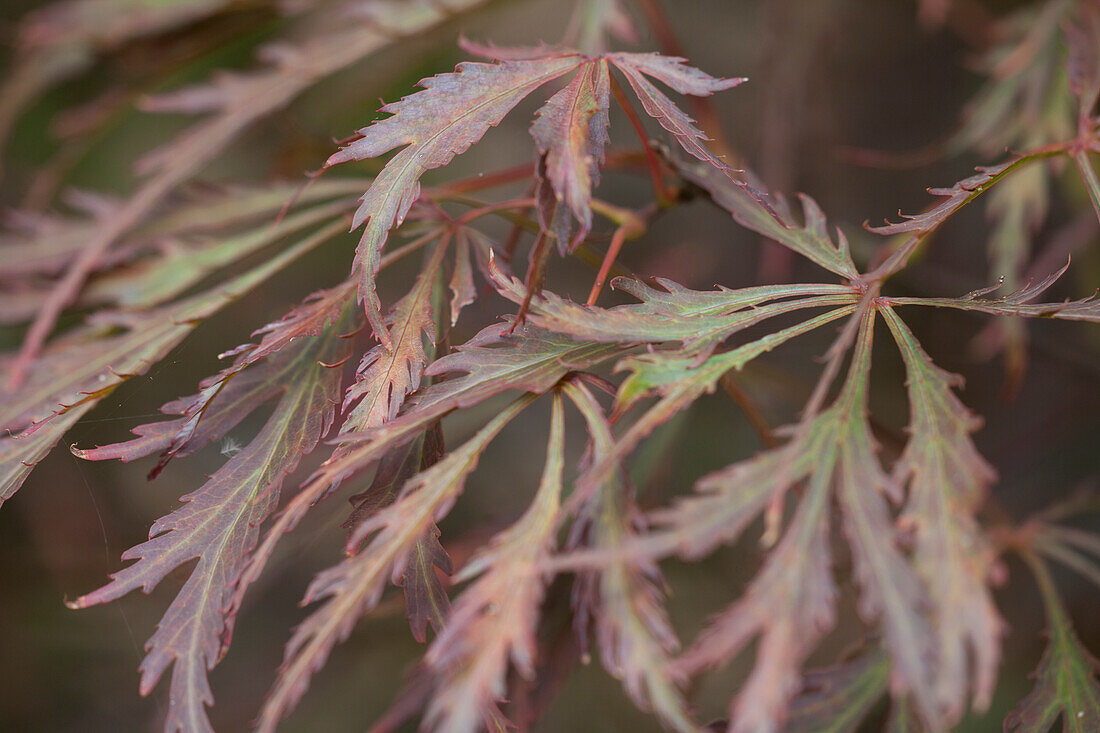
(497, 360)
(354, 586)
(836, 699)
(1018, 303)
(386, 375)
(455, 110)
(791, 603)
(570, 131)
(633, 631)
(680, 379)
(698, 319)
(768, 214)
(948, 480)
(1066, 683)
(432, 126)
(495, 618)
(219, 525)
(84, 366)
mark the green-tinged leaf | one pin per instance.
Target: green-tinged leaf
(1066, 684)
(432, 126)
(891, 592)
(954, 198)
(219, 526)
(1070, 557)
(570, 130)
(837, 699)
(495, 618)
(1077, 549)
(1026, 101)
(700, 320)
(44, 245)
(161, 259)
(237, 101)
(61, 39)
(904, 717)
(1081, 539)
(633, 632)
(790, 605)
(1018, 303)
(354, 586)
(769, 214)
(84, 366)
(729, 502)
(947, 482)
(180, 267)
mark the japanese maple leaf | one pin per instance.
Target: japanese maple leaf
(456, 109)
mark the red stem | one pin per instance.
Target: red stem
(605, 267)
(492, 208)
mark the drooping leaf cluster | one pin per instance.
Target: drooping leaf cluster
(361, 385)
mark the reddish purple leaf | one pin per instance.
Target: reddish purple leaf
(219, 525)
(684, 79)
(571, 132)
(433, 126)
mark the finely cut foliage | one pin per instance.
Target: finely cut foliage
(374, 387)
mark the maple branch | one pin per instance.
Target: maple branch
(536, 269)
(605, 267)
(631, 226)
